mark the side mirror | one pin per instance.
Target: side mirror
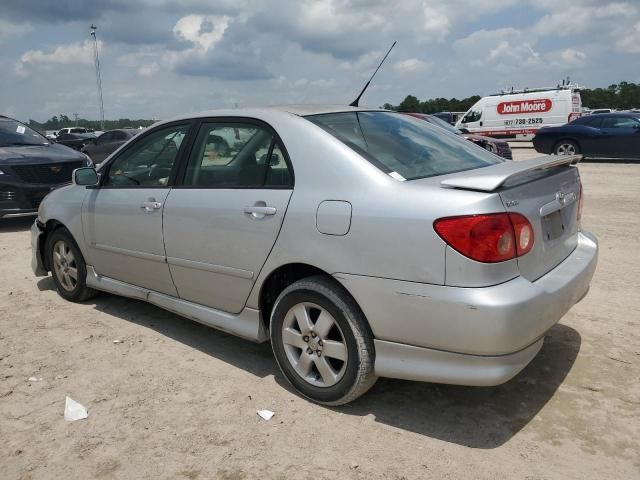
(86, 176)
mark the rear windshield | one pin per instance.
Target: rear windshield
(402, 145)
(15, 133)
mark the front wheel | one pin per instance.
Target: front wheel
(322, 342)
(67, 267)
(566, 147)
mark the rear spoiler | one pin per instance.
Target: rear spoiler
(491, 178)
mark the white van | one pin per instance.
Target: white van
(518, 114)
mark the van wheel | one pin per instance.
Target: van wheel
(67, 267)
(322, 342)
(566, 147)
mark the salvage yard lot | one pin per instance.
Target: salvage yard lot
(175, 399)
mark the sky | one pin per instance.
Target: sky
(162, 58)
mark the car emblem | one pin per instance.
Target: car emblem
(565, 198)
(55, 169)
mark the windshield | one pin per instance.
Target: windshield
(15, 133)
(402, 145)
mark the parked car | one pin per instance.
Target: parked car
(328, 230)
(494, 145)
(606, 135)
(601, 110)
(450, 117)
(73, 130)
(107, 143)
(30, 167)
(74, 140)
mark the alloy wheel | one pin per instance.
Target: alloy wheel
(64, 265)
(314, 344)
(566, 149)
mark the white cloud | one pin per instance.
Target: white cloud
(203, 31)
(148, 69)
(629, 40)
(411, 65)
(573, 57)
(71, 53)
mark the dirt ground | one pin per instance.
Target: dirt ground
(177, 400)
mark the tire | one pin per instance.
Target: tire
(337, 335)
(566, 147)
(64, 258)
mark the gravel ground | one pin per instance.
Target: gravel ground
(175, 399)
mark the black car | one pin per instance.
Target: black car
(74, 140)
(30, 167)
(107, 143)
(606, 135)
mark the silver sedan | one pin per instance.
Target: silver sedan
(361, 243)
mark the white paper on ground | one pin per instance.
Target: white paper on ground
(266, 414)
(73, 410)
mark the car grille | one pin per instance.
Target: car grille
(7, 195)
(49, 174)
(504, 150)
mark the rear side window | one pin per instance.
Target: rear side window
(236, 155)
(619, 122)
(404, 145)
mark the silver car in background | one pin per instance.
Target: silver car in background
(361, 243)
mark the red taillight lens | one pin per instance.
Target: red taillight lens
(580, 203)
(489, 238)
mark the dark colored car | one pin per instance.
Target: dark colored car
(74, 140)
(606, 135)
(30, 167)
(499, 147)
(107, 143)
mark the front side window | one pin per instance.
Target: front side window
(13, 133)
(405, 145)
(149, 162)
(235, 155)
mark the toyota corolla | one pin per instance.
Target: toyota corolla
(362, 243)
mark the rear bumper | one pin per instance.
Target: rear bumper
(491, 331)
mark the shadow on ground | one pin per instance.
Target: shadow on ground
(477, 417)
(16, 224)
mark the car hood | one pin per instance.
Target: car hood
(34, 154)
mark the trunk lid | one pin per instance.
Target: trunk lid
(546, 190)
(550, 203)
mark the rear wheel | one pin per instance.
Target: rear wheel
(67, 267)
(322, 342)
(566, 147)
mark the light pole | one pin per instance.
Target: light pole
(96, 61)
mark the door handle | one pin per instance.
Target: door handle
(150, 205)
(260, 211)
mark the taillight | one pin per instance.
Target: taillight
(489, 238)
(580, 203)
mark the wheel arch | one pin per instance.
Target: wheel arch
(283, 276)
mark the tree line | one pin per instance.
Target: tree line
(60, 121)
(621, 96)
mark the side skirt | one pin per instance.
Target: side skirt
(246, 324)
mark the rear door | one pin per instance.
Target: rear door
(122, 220)
(222, 221)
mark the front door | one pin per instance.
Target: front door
(221, 223)
(620, 137)
(122, 220)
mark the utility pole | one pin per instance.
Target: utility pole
(96, 61)
(75, 116)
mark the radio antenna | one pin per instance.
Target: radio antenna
(357, 100)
